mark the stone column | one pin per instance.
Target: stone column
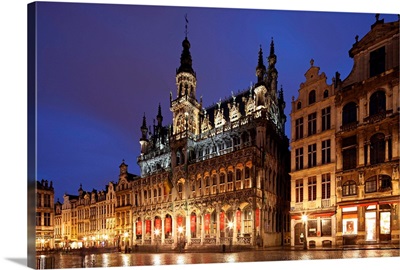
(387, 148)
(218, 211)
(162, 229)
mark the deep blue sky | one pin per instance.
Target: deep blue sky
(101, 67)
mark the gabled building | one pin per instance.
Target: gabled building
(367, 139)
(313, 159)
(44, 215)
(345, 148)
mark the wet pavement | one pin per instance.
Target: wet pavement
(187, 257)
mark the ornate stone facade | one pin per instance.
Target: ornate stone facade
(358, 203)
(217, 175)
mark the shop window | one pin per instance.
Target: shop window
(326, 227)
(311, 228)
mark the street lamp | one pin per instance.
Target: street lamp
(180, 230)
(230, 226)
(304, 219)
(42, 241)
(156, 232)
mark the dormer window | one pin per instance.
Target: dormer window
(377, 62)
(311, 97)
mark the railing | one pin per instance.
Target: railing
(349, 126)
(195, 241)
(244, 240)
(169, 241)
(325, 203)
(210, 241)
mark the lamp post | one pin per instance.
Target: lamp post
(180, 230)
(42, 242)
(125, 237)
(156, 232)
(304, 219)
(230, 226)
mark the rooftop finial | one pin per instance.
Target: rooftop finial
(186, 26)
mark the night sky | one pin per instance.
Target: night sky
(101, 67)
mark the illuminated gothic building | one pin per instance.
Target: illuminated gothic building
(216, 175)
(345, 148)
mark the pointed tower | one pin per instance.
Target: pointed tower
(260, 69)
(272, 73)
(143, 140)
(159, 116)
(185, 108)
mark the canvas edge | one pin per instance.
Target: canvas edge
(31, 125)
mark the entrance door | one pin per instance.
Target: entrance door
(370, 226)
(384, 228)
(298, 231)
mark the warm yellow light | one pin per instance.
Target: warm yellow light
(180, 229)
(304, 218)
(230, 224)
(157, 231)
(84, 238)
(126, 234)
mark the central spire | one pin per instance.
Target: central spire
(186, 58)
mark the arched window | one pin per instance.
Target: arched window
(349, 188)
(377, 103)
(385, 182)
(299, 105)
(311, 97)
(377, 148)
(326, 93)
(349, 114)
(370, 184)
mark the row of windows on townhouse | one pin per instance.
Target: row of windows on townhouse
(312, 188)
(312, 155)
(377, 107)
(312, 123)
(312, 98)
(376, 183)
(376, 150)
(43, 200)
(43, 219)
